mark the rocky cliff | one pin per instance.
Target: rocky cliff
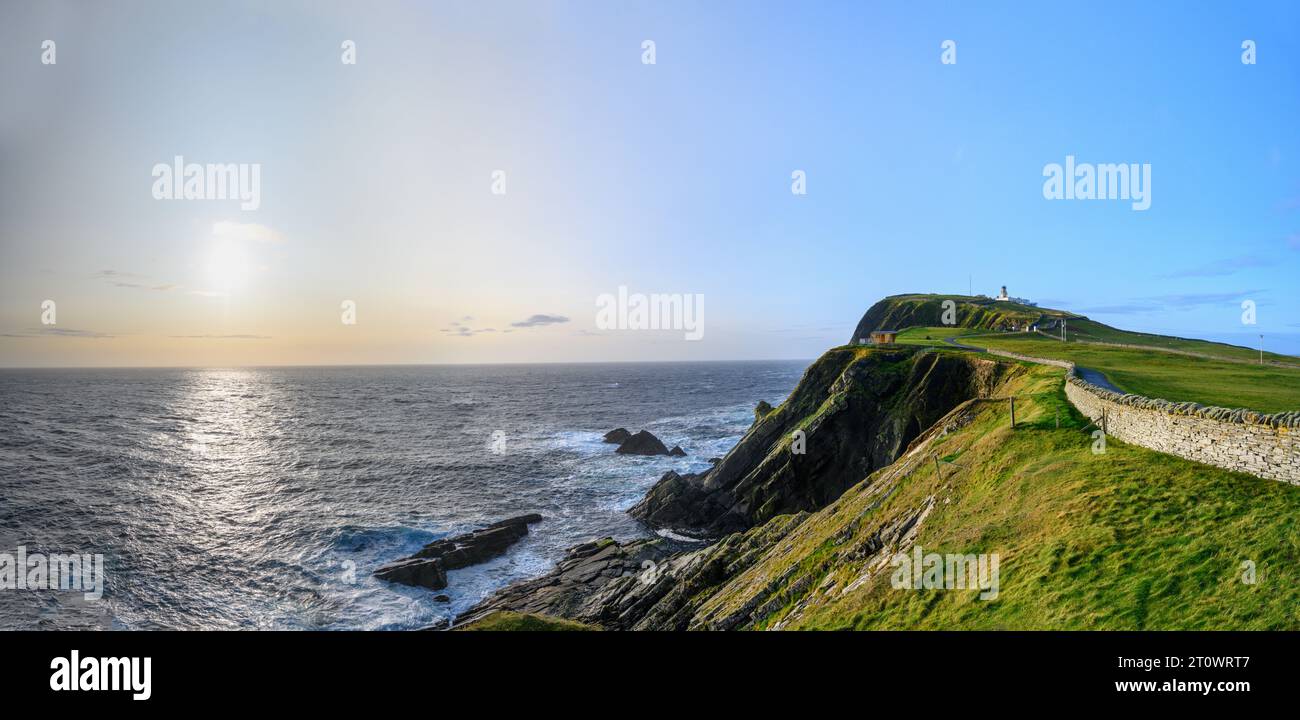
(855, 410)
(882, 452)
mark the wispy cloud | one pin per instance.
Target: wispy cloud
(122, 279)
(223, 337)
(57, 332)
(814, 328)
(1190, 300)
(540, 320)
(457, 329)
(1183, 301)
(1121, 309)
(1221, 267)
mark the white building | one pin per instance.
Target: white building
(1004, 297)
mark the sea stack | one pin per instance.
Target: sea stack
(642, 443)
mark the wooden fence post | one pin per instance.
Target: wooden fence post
(1013, 413)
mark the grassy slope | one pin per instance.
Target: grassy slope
(504, 621)
(1090, 330)
(1128, 539)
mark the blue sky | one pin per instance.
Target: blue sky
(664, 178)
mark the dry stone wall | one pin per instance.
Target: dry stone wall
(1264, 445)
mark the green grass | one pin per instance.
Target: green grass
(506, 621)
(929, 335)
(1090, 330)
(1126, 539)
(1179, 378)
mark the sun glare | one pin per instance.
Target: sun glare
(228, 266)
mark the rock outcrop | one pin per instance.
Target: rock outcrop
(642, 443)
(855, 410)
(654, 584)
(677, 451)
(428, 567)
(617, 435)
(420, 572)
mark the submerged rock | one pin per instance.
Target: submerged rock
(617, 435)
(642, 443)
(480, 545)
(428, 567)
(420, 572)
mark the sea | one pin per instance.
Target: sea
(265, 498)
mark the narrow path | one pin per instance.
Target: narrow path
(1096, 377)
(953, 342)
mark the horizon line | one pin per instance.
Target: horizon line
(376, 365)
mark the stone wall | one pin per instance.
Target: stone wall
(1267, 446)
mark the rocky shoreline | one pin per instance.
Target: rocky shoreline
(855, 411)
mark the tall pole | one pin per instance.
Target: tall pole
(1261, 349)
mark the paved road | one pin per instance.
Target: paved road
(1096, 378)
(953, 342)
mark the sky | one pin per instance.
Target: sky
(380, 179)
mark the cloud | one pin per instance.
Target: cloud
(223, 337)
(1122, 309)
(119, 278)
(812, 327)
(462, 331)
(540, 320)
(1155, 303)
(58, 332)
(1221, 267)
(1191, 300)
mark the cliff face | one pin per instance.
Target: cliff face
(855, 410)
